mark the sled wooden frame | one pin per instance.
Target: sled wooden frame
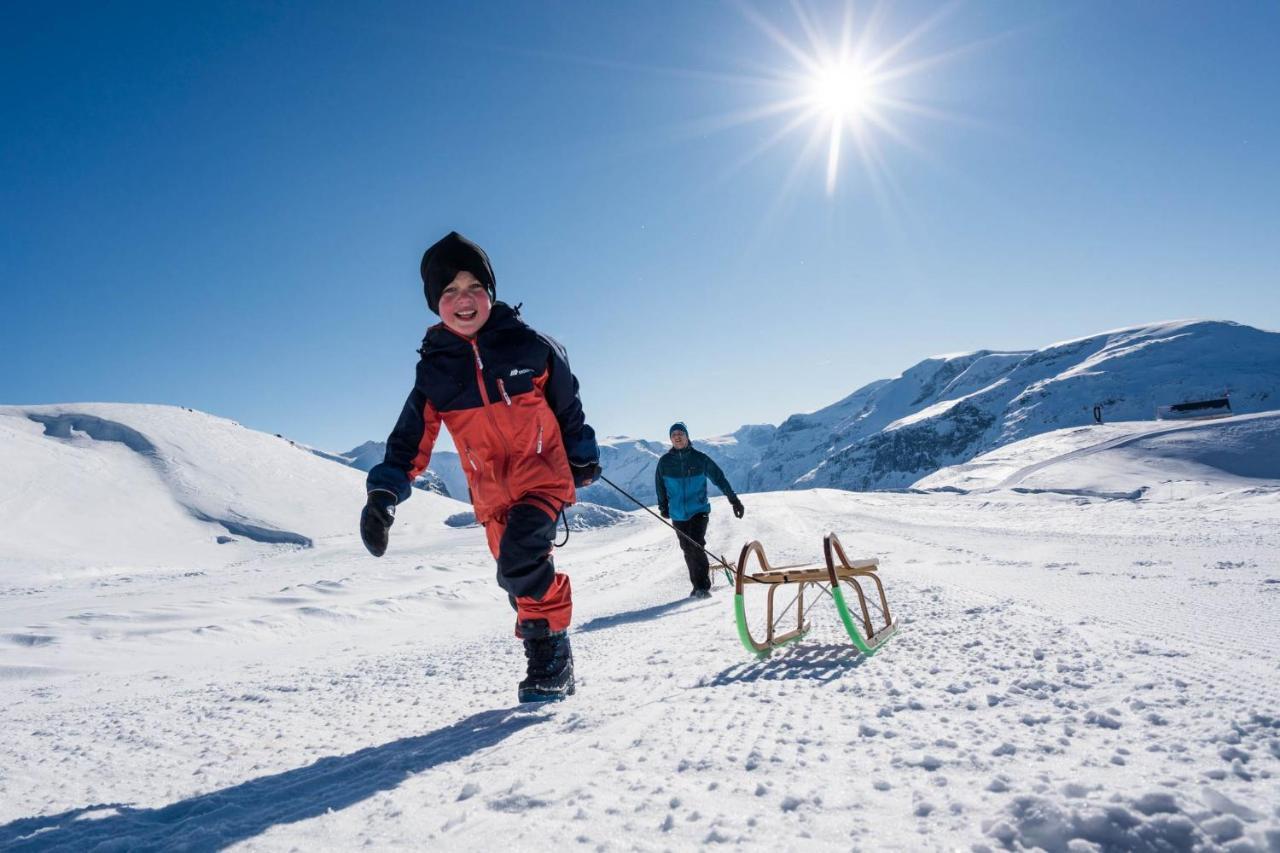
(827, 580)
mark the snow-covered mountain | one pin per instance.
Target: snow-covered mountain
(950, 408)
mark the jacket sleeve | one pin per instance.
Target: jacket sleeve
(717, 476)
(660, 485)
(562, 393)
(408, 448)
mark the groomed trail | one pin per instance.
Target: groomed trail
(1067, 670)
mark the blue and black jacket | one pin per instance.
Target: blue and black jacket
(681, 482)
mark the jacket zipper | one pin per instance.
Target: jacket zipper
(502, 389)
(493, 421)
(539, 449)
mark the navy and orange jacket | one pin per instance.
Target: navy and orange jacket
(511, 404)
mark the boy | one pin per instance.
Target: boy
(509, 400)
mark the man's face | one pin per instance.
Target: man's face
(464, 304)
(679, 440)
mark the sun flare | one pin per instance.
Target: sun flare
(848, 86)
(843, 91)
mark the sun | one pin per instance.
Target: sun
(842, 90)
(845, 84)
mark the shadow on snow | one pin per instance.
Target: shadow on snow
(220, 818)
(804, 661)
(644, 614)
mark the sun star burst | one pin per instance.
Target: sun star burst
(843, 87)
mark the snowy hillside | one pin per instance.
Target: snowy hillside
(92, 487)
(1073, 671)
(951, 408)
(1148, 459)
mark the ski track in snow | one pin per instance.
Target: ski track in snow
(1065, 668)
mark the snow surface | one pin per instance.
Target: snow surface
(1073, 672)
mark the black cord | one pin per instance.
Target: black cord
(565, 519)
(679, 532)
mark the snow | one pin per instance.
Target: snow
(1236, 456)
(1072, 671)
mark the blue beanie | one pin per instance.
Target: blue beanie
(678, 426)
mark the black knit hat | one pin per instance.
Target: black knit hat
(447, 257)
(679, 426)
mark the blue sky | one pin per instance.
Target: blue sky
(223, 205)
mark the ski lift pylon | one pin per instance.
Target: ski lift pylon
(832, 579)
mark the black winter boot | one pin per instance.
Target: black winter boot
(550, 670)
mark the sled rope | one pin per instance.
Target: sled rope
(728, 569)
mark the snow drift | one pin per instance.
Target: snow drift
(147, 486)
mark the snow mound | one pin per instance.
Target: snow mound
(1157, 820)
(1152, 460)
(95, 487)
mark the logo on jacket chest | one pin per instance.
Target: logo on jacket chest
(520, 371)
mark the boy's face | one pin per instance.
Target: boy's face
(464, 304)
(679, 440)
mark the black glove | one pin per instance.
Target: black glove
(738, 509)
(376, 520)
(664, 511)
(584, 475)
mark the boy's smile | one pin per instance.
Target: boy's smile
(465, 304)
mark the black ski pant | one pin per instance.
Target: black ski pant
(694, 557)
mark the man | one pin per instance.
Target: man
(681, 481)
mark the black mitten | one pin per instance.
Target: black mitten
(376, 519)
(584, 475)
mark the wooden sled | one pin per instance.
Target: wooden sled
(826, 580)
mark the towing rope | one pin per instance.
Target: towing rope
(728, 569)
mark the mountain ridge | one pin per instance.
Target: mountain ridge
(949, 408)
